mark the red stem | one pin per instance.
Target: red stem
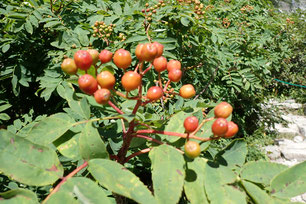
(176, 134)
(146, 70)
(65, 179)
(148, 138)
(166, 86)
(137, 153)
(115, 107)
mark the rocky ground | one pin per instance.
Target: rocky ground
(290, 146)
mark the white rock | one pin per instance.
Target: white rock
(298, 139)
(304, 197)
(294, 153)
(272, 151)
(286, 162)
(291, 130)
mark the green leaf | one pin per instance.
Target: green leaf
(136, 38)
(5, 107)
(52, 24)
(4, 116)
(118, 179)
(5, 48)
(117, 8)
(26, 162)
(33, 20)
(167, 173)
(291, 182)
(18, 196)
(175, 124)
(62, 197)
(257, 194)
(185, 21)
(194, 181)
(50, 128)
(70, 148)
(261, 171)
(216, 178)
(81, 107)
(91, 144)
(85, 190)
(28, 26)
(233, 154)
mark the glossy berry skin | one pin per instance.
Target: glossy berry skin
(94, 55)
(131, 80)
(175, 75)
(88, 84)
(173, 64)
(160, 49)
(219, 127)
(106, 80)
(191, 123)
(122, 58)
(102, 96)
(155, 93)
(148, 52)
(160, 64)
(83, 59)
(69, 66)
(138, 52)
(192, 149)
(232, 129)
(105, 56)
(223, 110)
(187, 91)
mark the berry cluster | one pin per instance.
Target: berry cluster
(102, 30)
(220, 128)
(197, 7)
(149, 12)
(102, 87)
(103, 84)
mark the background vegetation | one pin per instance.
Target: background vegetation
(231, 50)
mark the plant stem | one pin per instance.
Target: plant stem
(65, 179)
(148, 138)
(166, 86)
(115, 107)
(146, 70)
(200, 126)
(143, 151)
(97, 119)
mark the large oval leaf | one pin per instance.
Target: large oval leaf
(85, 190)
(118, 179)
(27, 162)
(18, 196)
(194, 181)
(167, 173)
(91, 144)
(50, 128)
(291, 182)
(261, 171)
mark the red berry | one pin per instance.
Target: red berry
(94, 54)
(83, 59)
(223, 110)
(69, 66)
(131, 80)
(102, 96)
(160, 64)
(173, 64)
(138, 52)
(88, 84)
(160, 49)
(154, 93)
(232, 129)
(122, 58)
(175, 75)
(105, 56)
(192, 149)
(106, 80)
(187, 91)
(191, 123)
(219, 127)
(148, 52)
